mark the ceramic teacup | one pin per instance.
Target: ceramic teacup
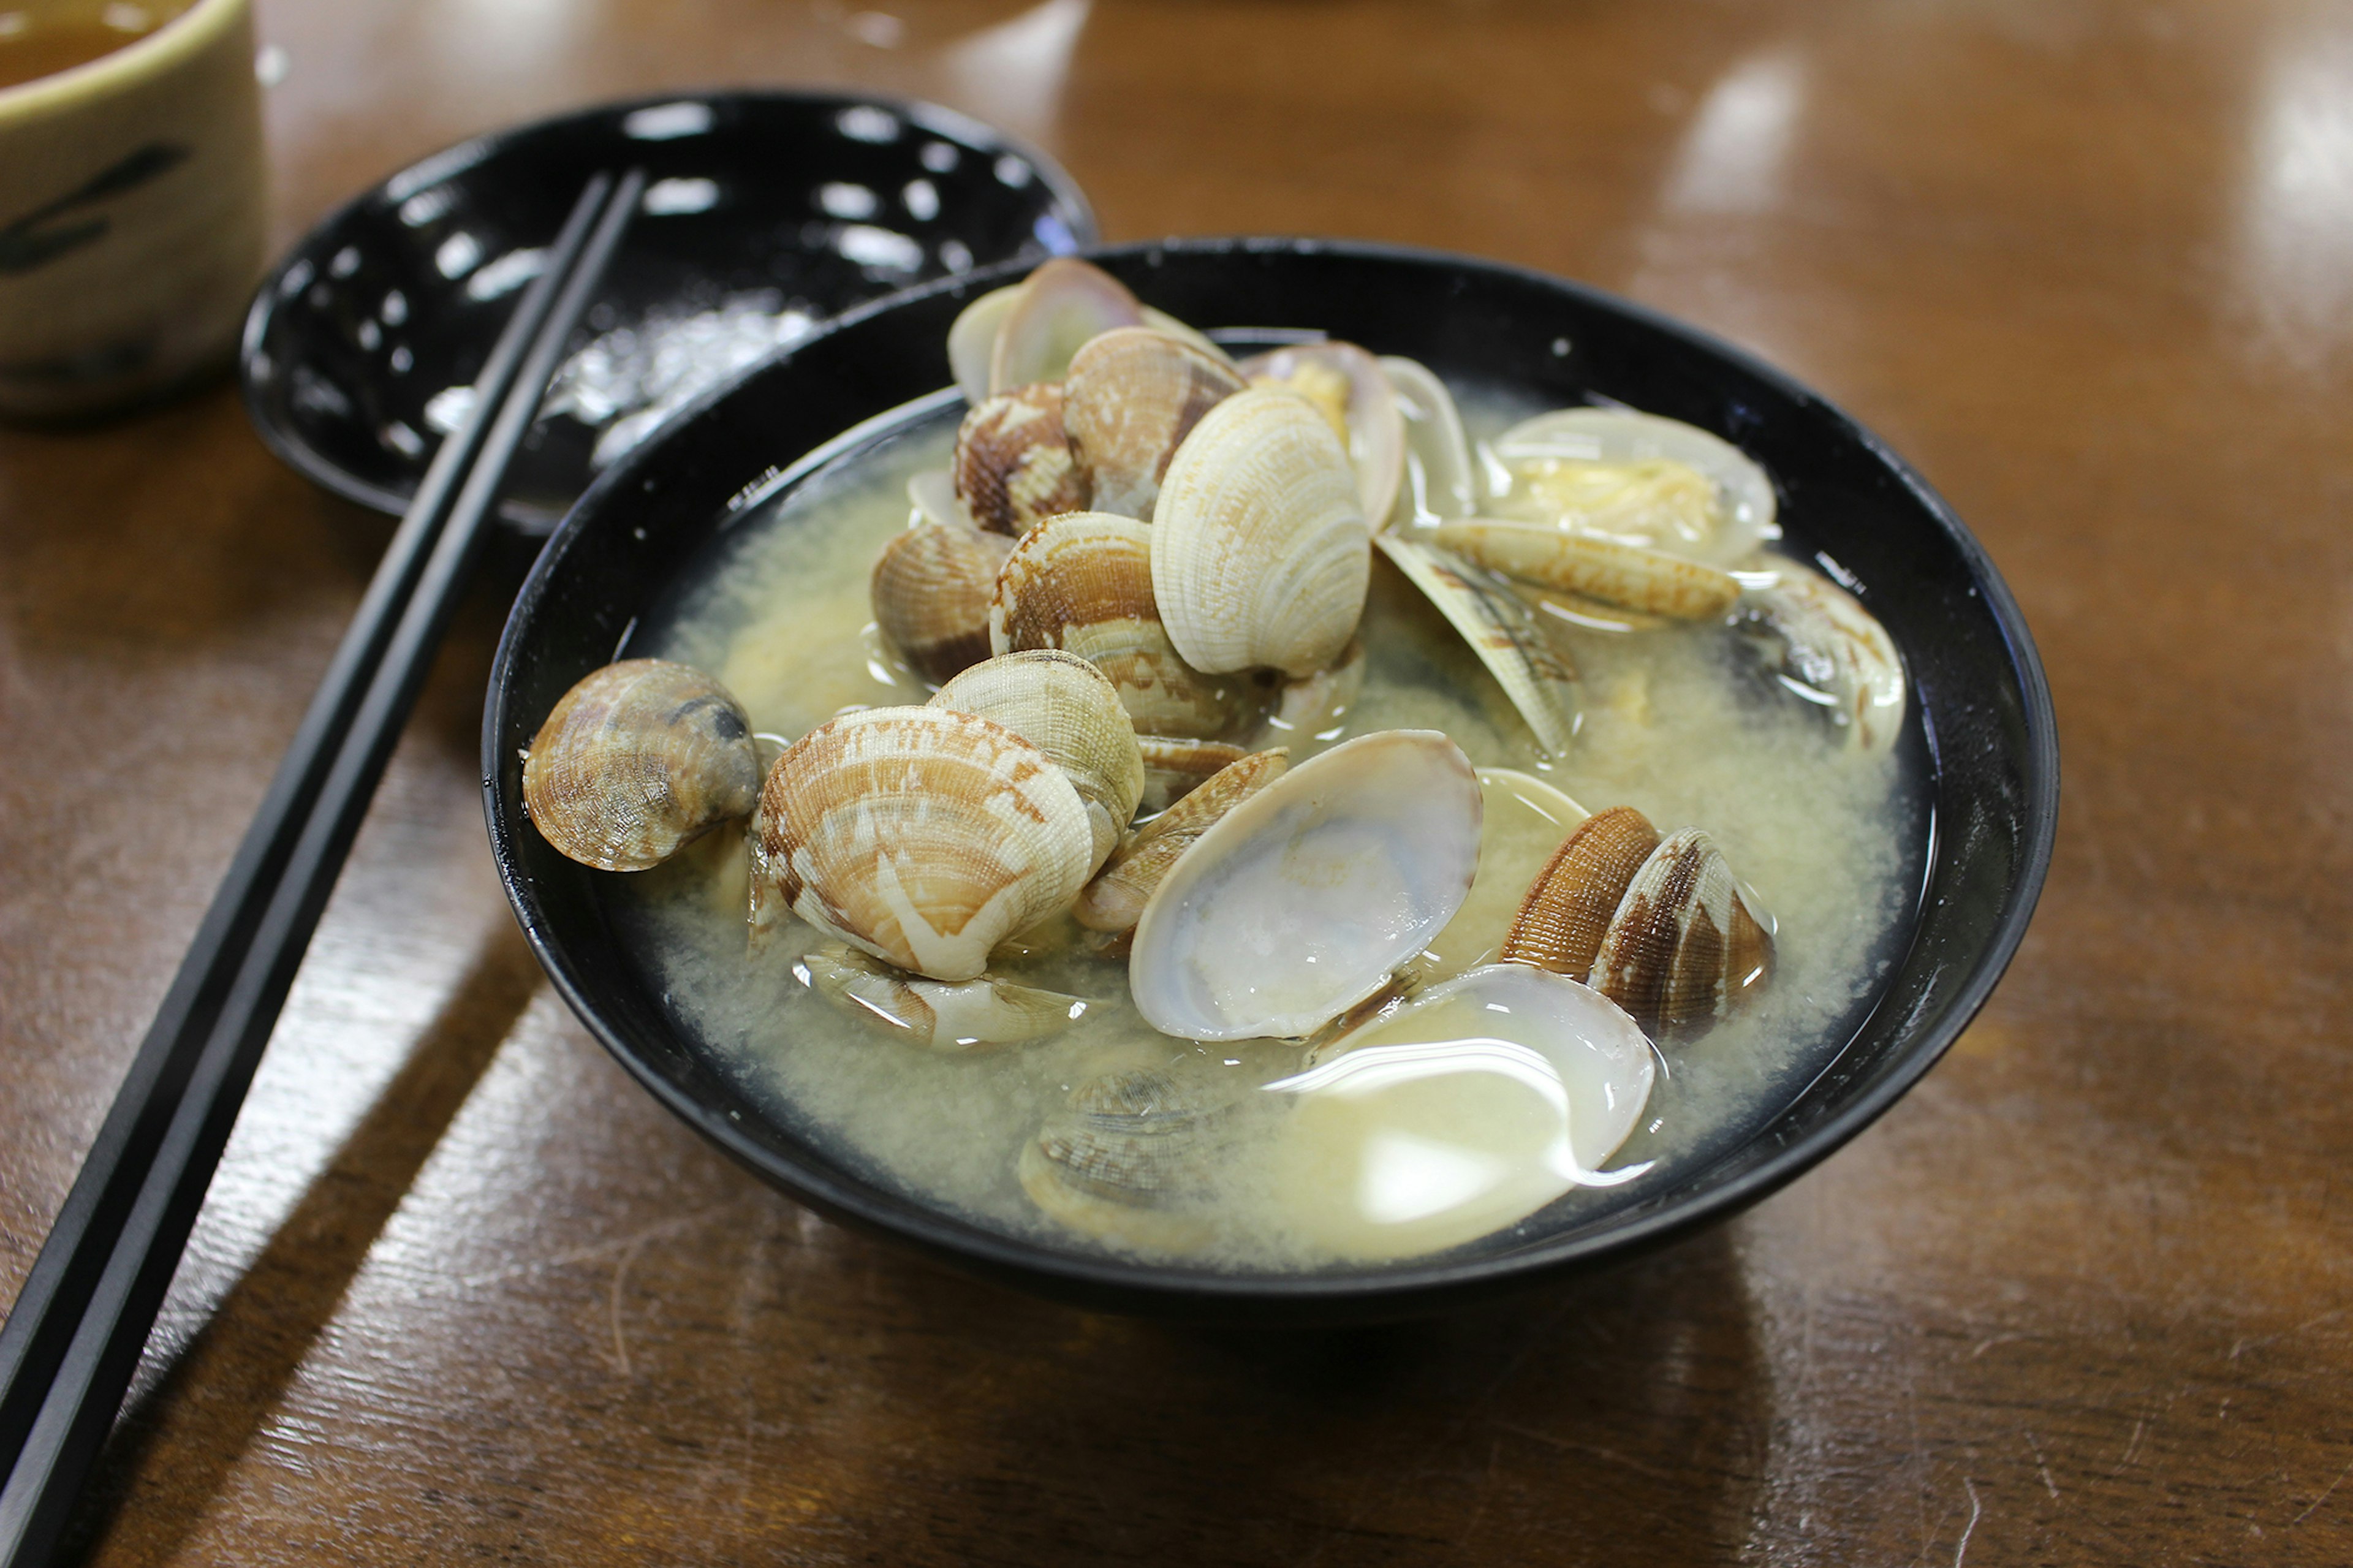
(133, 207)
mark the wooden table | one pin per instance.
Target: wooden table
(462, 1290)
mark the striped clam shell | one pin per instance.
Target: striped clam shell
(1132, 397)
(930, 589)
(1069, 709)
(1014, 465)
(636, 760)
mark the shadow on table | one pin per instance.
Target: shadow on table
(249, 1349)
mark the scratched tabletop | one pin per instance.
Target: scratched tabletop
(463, 1291)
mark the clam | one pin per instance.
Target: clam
(972, 340)
(1649, 581)
(1258, 543)
(923, 835)
(637, 759)
(1357, 401)
(1013, 467)
(1057, 308)
(1438, 481)
(1115, 900)
(1567, 907)
(1684, 950)
(1502, 631)
(1174, 767)
(1082, 583)
(1481, 1100)
(1299, 902)
(1815, 641)
(1069, 709)
(1523, 821)
(1132, 1159)
(1637, 479)
(931, 498)
(1132, 397)
(938, 1014)
(931, 591)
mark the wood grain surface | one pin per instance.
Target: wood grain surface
(463, 1292)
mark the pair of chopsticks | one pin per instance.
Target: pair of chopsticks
(73, 1339)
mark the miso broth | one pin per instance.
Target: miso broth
(1833, 841)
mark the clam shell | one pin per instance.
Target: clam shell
(1627, 575)
(1082, 583)
(1481, 1100)
(1061, 305)
(637, 759)
(931, 590)
(1174, 767)
(1132, 397)
(1259, 544)
(972, 340)
(1297, 903)
(922, 836)
(932, 495)
(1523, 821)
(1683, 949)
(1567, 907)
(1013, 465)
(1115, 900)
(1134, 1160)
(1438, 482)
(1502, 631)
(1358, 402)
(1069, 709)
(937, 1014)
(1641, 479)
(1817, 642)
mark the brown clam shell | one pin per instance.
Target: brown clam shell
(923, 835)
(1684, 950)
(1115, 900)
(1132, 397)
(637, 759)
(1082, 583)
(1569, 906)
(1014, 465)
(1174, 767)
(930, 589)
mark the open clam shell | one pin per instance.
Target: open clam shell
(1132, 397)
(1684, 950)
(1258, 543)
(1481, 1100)
(1640, 479)
(1438, 482)
(920, 835)
(1628, 576)
(931, 591)
(1115, 900)
(637, 759)
(1069, 709)
(1817, 642)
(1299, 902)
(1014, 465)
(1082, 583)
(1502, 631)
(1174, 767)
(1057, 310)
(936, 1015)
(1357, 401)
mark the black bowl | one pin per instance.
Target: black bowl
(1982, 714)
(768, 212)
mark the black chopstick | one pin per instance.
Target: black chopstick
(69, 1350)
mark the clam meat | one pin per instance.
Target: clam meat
(937, 1014)
(1637, 479)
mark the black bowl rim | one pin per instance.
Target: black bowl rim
(287, 444)
(1396, 1291)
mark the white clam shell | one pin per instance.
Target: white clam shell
(1502, 631)
(1483, 1100)
(1376, 426)
(1300, 902)
(1259, 551)
(1744, 491)
(1060, 306)
(1438, 482)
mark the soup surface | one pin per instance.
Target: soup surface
(1831, 841)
